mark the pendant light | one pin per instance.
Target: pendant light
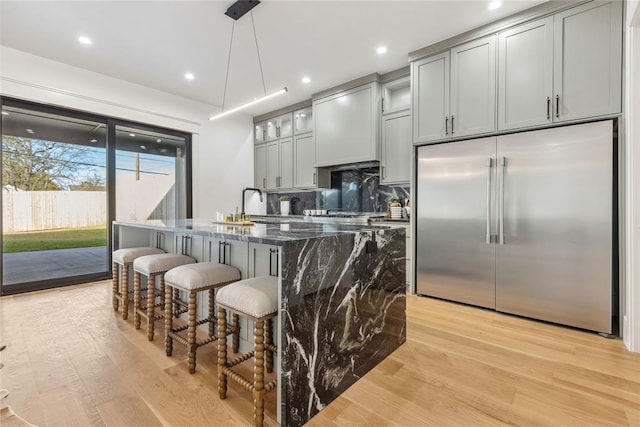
(235, 12)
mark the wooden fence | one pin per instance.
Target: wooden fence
(47, 210)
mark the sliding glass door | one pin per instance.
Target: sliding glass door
(54, 198)
(66, 176)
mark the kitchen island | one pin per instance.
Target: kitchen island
(341, 297)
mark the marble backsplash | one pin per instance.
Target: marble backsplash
(351, 190)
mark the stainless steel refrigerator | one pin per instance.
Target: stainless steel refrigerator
(522, 223)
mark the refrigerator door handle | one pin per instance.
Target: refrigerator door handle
(503, 162)
(488, 234)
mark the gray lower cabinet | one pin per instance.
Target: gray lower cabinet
(561, 68)
(396, 148)
(454, 93)
(263, 260)
(347, 126)
(161, 239)
(189, 244)
(230, 252)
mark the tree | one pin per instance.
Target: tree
(35, 165)
(94, 182)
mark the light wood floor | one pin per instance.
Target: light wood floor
(71, 361)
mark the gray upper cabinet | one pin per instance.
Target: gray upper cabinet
(525, 55)
(454, 93)
(260, 165)
(260, 132)
(304, 151)
(587, 75)
(396, 148)
(561, 68)
(347, 126)
(430, 92)
(473, 88)
(396, 95)
(279, 163)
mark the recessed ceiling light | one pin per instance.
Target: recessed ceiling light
(132, 134)
(94, 140)
(29, 130)
(306, 80)
(4, 113)
(495, 4)
(158, 140)
(143, 147)
(381, 50)
(189, 76)
(85, 40)
(303, 115)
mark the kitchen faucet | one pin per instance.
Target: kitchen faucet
(243, 191)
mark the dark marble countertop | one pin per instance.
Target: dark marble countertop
(270, 233)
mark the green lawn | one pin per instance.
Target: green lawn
(64, 238)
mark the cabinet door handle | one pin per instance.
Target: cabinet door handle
(382, 170)
(264, 182)
(452, 118)
(314, 177)
(220, 252)
(382, 109)
(264, 134)
(548, 108)
(278, 131)
(271, 269)
(557, 106)
(446, 125)
(209, 250)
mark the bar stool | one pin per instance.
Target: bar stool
(125, 257)
(195, 278)
(255, 299)
(153, 266)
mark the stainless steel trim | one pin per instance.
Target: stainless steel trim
(503, 162)
(488, 233)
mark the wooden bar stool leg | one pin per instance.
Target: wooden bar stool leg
(176, 306)
(151, 298)
(124, 291)
(168, 320)
(136, 297)
(191, 333)
(268, 354)
(236, 333)
(162, 289)
(212, 313)
(114, 284)
(222, 352)
(258, 374)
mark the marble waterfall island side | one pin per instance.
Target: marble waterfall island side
(342, 295)
(343, 312)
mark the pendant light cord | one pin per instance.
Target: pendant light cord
(264, 87)
(226, 80)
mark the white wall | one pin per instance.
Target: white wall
(223, 149)
(631, 313)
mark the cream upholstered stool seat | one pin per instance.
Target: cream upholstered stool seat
(256, 299)
(125, 257)
(195, 278)
(153, 266)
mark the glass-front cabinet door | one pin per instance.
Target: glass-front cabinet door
(260, 132)
(271, 127)
(284, 125)
(303, 120)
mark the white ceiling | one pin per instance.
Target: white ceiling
(153, 43)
